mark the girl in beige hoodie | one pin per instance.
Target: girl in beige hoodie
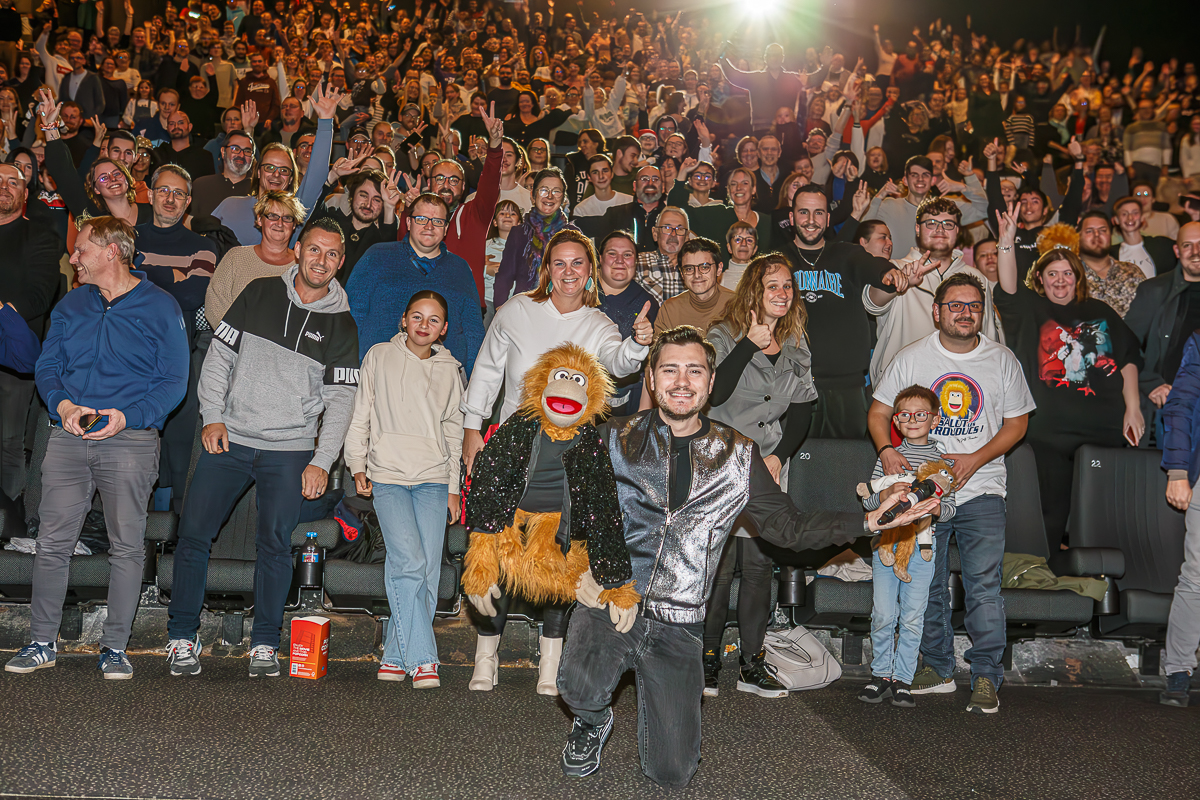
(404, 448)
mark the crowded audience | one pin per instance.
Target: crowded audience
(472, 183)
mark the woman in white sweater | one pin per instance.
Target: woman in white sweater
(402, 447)
(562, 308)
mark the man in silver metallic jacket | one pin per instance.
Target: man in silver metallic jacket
(682, 479)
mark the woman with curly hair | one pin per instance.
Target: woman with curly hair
(762, 352)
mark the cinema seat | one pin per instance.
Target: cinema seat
(822, 477)
(1119, 502)
(359, 588)
(1034, 613)
(87, 581)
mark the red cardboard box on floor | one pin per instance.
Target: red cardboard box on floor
(310, 647)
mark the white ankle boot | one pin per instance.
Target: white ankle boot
(487, 664)
(548, 666)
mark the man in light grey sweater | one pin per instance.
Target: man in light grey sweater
(275, 396)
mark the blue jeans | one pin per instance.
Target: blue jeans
(978, 526)
(896, 657)
(413, 520)
(217, 484)
(668, 664)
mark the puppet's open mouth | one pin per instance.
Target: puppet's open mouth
(564, 405)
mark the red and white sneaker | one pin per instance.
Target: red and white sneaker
(426, 677)
(390, 672)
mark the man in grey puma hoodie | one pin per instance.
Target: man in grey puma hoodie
(275, 396)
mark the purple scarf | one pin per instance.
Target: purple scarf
(539, 230)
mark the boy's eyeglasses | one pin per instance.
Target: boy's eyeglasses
(919, 416)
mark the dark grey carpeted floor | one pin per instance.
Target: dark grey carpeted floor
(219, 735)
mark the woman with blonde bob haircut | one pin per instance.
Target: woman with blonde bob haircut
(764, 372)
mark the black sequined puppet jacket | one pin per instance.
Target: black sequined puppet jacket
(592, 512)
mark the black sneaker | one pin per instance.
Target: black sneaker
(902, 695)
(758, 677)
(876, 690)
(581, 756)
(1176, 693)
(712, 668)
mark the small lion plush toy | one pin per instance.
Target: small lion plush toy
(524, 471)
(932, 479)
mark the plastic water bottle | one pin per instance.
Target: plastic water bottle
(310, 561)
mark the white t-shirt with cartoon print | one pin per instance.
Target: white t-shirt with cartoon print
(978, 391)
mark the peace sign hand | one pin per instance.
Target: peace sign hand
(643, 331)
(494, 125)
(48, 110)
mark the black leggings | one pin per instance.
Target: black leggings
(754, 595)
(554, 618)
(758, 560)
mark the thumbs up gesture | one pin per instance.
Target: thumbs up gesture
(643, 331)
(759, 333)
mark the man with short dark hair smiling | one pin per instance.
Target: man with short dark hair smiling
(652, 454)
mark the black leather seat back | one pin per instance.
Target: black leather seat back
(824, 473)
(1024, 529)
(1119, 501)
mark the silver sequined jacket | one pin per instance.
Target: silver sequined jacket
(674, 554)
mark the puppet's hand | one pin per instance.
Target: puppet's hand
(622, 617)
(587, 591)
(483, 602)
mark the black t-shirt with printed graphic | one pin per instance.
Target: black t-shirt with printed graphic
(830, 281)
(1072, 357)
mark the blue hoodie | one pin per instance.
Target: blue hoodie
(132, 356)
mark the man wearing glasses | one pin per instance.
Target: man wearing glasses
(904, 318)
(389, 274)
(658, 270)
(182, 262)
(466, 232)
(641, 217)
(237, 157)
(984, 405)
(705, 299)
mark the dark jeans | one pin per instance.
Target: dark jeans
(179, 431)
(667, 663)
(840, 412)
(554, 618)
(978, 527)
(219, 481)
(754, 595)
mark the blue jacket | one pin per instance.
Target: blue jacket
(19, 346)
(133, 356)
(386, 278)
(1181, 415)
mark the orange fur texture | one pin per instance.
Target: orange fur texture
(621, 596)
(573, 357)
(528, 562)
(905, 537)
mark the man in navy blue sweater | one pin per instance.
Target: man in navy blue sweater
(114, 364)
(388, 275)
